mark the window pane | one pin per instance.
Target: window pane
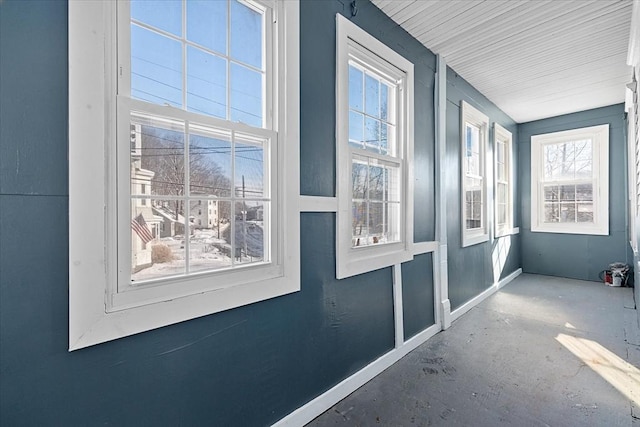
(206, 83)
(355, 88)
(502, 214)
(549, 166)
(584, 192)
(384, 181)
(246, 34)
(156, 67)
(382, 222)
(359, 229)
(249, 167)
(551, 212)
(359, 169)
(207, 24)
(567, 212)
(372, 96)
(356, 126)
(473, 207)
(583, 150)
(472, 153)
(502, 193)
(246, 96)
(378, 182)
(567, 152)
(392, 233)
(500, 152)
(157, 156)
(473, 164)
(157, 239)
(163, 14)
(585, 212)
(372, 134)
(473, 183)
(249, 232)
(385, 102)
(384, 139)
(377, 221)
(583, 169)
(209, 244)
(210, 163)
(567, 192)
(551, 192)
(472, 139)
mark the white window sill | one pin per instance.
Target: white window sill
(508, 232)
(571, 230)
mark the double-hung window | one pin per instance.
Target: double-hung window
(474, 131)
(570, 181)
(374, 139)
(503, 188)
(183, 160)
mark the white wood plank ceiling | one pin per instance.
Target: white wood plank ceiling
(532, 58)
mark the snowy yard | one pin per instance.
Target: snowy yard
(206, 251)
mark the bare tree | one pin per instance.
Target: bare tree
(163, 152)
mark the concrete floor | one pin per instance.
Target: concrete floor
(508, 362)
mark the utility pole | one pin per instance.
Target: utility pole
(244, 218)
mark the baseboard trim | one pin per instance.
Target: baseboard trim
(504, 282)
(455, 314)
(326, 400)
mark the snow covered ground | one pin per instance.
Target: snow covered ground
(206, 252)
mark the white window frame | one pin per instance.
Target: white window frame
(349, 260)
(475, 117)
(95, 316)
(500, 134)
(599, 136)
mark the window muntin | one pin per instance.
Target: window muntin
(503, 190)
(474, 130)
(569, 186)
(374, 152)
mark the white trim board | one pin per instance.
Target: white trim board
(326, 400)
(419, 248)
(318, 204)
(458, 312)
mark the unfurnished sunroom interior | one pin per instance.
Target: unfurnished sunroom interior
(238, 212)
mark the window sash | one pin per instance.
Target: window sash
(269, 43)
(124, 293)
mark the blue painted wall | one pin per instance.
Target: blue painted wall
(471, 269)
(573, 255)
(247, 366)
